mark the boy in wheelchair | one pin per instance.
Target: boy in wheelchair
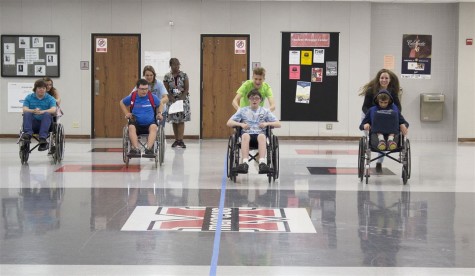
(38, 111)
(140, 109)
(384, 121)
(253, 120)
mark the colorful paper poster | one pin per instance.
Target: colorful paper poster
(318, 55)
(294, 72)
(317, 75)
(294, 57)
(388, 62)
(332, 68)
(302, 93)
(416, 56)
(309, 40)
(306, 58)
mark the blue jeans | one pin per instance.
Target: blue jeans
(32, 125)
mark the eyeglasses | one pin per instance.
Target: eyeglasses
(254, 98)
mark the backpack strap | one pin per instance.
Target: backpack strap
(132, 100)
(150, 98)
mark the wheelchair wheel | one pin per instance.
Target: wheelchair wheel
(275, 157)
(366, 158)
(361, 159)
(59, 144)
(24, 152)
(406, 161)
(408, 158)
(161, 144)
(230, 156)
(125, 145)
(270, 158)
(231, 159)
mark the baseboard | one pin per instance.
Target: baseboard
(89, 136)
(66, 136)
(321, 138)
(466, 139)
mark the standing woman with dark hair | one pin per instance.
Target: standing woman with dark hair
(177, 85)
(384, 80)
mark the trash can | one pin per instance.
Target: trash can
(432, 107)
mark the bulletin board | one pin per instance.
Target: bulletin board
(309, 76)
(30, 55)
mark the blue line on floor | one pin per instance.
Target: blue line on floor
(217, 235)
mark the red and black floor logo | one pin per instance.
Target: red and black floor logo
(243, 219)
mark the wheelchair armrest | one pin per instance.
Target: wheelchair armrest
(237, 129)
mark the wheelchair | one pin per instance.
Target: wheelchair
(158, 146)
(364, 156)
(234, 152)
(55, 140)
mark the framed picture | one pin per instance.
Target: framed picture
(30, 55)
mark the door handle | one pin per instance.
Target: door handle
(96, 87)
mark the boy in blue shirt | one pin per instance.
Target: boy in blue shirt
(38, 110)
(253, 120)
(384, 121)
(143, 107)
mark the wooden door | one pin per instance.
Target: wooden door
(115, 69)
(223, 72)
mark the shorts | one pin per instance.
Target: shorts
(142, 129)
(253, 143)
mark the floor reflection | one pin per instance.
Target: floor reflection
(36, 208)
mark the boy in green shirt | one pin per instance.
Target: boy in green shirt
(257, 82)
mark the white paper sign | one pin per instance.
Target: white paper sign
(176, 107)
(159, 60)
(16, 95)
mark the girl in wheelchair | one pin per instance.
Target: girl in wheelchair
(384, 121)
(253, 120)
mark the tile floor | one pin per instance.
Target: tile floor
(90, 215)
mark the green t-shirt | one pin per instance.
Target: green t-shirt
(247, 86)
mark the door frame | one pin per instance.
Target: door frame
(249, 69)
(93, 48)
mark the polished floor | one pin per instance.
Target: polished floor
(90, 215)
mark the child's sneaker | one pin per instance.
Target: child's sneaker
(242, 168)
(382, 145)
(392, 145)
(263, 168)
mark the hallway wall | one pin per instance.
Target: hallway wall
(367, 33)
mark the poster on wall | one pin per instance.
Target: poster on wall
(317, 74)
(306, 58)
(416, 56)
(159, 60)
(332, 68)
(302, 92)
(294, 57)
(16, 94)
(294, 72)
(318, 55)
